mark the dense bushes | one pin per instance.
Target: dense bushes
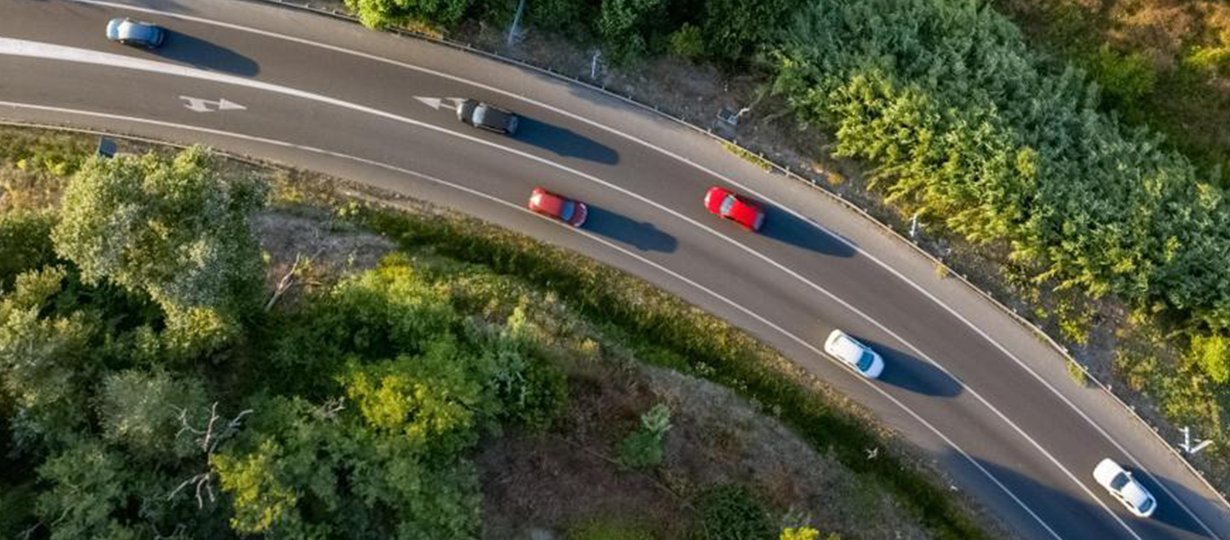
(968, 128)
(730, 31)
(730, 512)
(351, 415)
(663, 330)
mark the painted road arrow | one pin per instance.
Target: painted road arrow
(203, 105)
(436, 103)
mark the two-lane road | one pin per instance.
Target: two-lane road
(989, 402)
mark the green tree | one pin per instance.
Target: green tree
(799, 533)
(731, 512)
(436, 400)
(735, 29)
(45, 362)
(25, 244)
(1212, 354)
(88, 489)
(173, 229)
(382, 13)
(629, 27)
(644, 447)
(140, 411)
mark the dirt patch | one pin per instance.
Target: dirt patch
(569, 477)
(319, 249)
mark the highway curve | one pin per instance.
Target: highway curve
(984, 398)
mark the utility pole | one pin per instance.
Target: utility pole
(512, 31)
(593, 64)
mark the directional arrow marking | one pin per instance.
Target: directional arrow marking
(203, 105)
(436, 103)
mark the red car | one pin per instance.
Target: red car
(562, 208)
(735, 207)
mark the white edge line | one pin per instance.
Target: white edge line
(587, 234)
(710, 172)
(73, 54)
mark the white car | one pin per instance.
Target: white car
(1120, 483)
(858, 356)
(130, 32)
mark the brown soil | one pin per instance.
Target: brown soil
(569, 477)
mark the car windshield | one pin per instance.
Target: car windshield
(865, 360)
(565, 211)
(1118, 482)
(728, 204)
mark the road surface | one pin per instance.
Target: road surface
(991, 404)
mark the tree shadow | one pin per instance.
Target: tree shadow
(642, 236)
(784, 227)
(905, 371)
(564, 142)
(202, 54)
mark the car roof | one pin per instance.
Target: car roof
(489, 115)
(128, 29)
(548, 201)
(848, 349)
(745, 211)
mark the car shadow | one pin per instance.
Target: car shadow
(564, 142)
(642, 236)
(907, 372)
(188, 49)
(1069, 516)
(784, 227)
(1168, 512)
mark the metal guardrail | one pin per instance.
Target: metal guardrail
(787, 172)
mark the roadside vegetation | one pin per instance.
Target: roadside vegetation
(1088, 171)
(195, 347)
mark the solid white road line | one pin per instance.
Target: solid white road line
(706, 170)
(520, 208)
(47, 51)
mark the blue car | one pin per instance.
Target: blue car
(130, 32)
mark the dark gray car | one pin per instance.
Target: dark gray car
(130, 32)
(486, 116)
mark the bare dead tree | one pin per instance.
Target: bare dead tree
(207, 439)
(288, 279)
(329, 409)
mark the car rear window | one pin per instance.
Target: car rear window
(565, 212)
(865, 360)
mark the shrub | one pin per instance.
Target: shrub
(730, 512)
(687, 42)
(1126, 78)
(644, 447)
(568, 17)
(1212, 354)
(382, 13)
(25, 244)
(964, 121)
(629, 27)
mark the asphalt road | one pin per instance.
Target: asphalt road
(991, 404)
